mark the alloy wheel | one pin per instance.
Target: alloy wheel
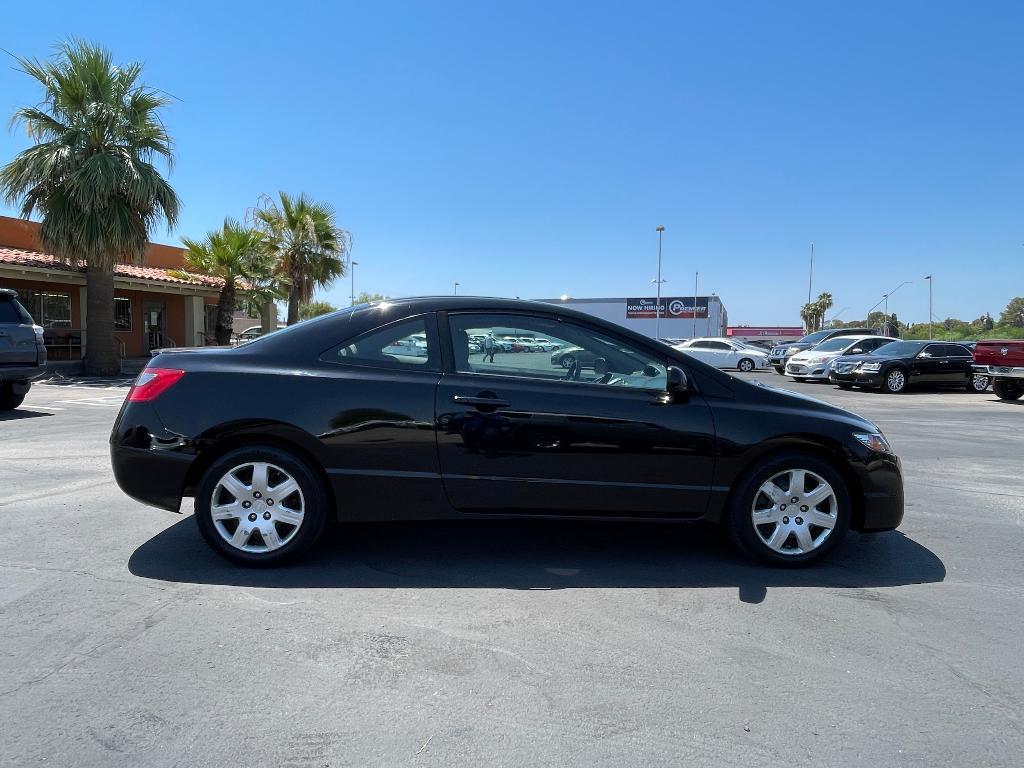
(979, 382)
(568, 361)
(896, 380)
(257, 507)
(746, 366)
(794, 512)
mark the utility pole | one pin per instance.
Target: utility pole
(810, 275)
(929, 279)
(657, 304)
(695, 275)
(456, 288)
(352, 275)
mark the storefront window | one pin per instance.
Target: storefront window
(122, 314)
(50, 310)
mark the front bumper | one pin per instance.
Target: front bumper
(856, 378)
(881, 478)
(807, 371)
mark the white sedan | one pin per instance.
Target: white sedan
(813, 363)
(725, 353)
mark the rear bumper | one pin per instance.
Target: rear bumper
(150, 464)
(1001, 371)
(19, 373)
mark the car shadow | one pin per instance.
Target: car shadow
(21, 413)
(537, 555)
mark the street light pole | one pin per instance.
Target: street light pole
(352, 275)
(657, 302)
(456, 288)
(929, 279)
(886, 297)
(695, 275)
(810, 275)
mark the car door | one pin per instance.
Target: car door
(524, 436)
(699, 350)
(931, 365)
(959, 364)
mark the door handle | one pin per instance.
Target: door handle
(485, 402)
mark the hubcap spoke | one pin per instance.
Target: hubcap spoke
(773, 492)
(283, 490)
(289, 516)
(239, 538)
(259, 477)
(820, 519)
(270, 538)
(818, 495)
(234, 486)
(803, 538)
(778, 537)
(227, 511)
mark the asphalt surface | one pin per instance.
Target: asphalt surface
(126, 642)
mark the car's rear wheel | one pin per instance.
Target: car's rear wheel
(978, 383)
(8, 399)
(1008, 390)
(261, 506)
(746, 365)
(780, 369)
(567, 361)
(895, 381)
(791, 510)
(845, 386)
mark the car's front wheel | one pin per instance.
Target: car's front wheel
(746, 365)
(261, 506)
(790, 510)
(780, 369)
(567, 361)
(8, 399)
(895, 381)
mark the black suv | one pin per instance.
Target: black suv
(781, 353)
(22, 354)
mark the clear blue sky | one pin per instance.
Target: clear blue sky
(530, 149)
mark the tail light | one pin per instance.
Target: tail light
(152, 383)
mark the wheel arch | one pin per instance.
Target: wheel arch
(820, 447)
(274, 434)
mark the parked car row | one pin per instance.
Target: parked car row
(726, 353)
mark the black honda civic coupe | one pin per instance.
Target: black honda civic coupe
(382, 412)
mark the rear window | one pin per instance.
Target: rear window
(12, 312)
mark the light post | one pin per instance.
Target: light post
(456, 288)
(929, 279)
(886, 297)
(352, 276)
(657, 302)
(695, 275)
(810, 275)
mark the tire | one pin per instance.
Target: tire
(746, 365)
(846, 387)
(780, 370)
(978, 382)
(8, 400)
(895, 381)
(1008, 390)
(801, 379)
(288, 541)
(750, 500)
(567, 361)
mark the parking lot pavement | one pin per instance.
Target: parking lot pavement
(127, 643)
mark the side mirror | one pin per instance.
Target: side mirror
(677, 381)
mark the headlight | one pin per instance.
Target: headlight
(874, 440)
(871, 367)
(791, 352)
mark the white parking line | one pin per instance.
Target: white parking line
(95, 402)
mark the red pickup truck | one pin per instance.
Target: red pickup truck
(1003, 361)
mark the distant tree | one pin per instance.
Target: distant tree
(369, 298)
(984, 323)
(91, 174)
(875, 320)
(309, 246)
(315, 309)
(1013, 315)
(236, 255)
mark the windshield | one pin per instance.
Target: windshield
(813, 338)
(902, 348)
(835, 345)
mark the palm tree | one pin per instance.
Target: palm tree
(234, 253)
(809, 316)
(823, 304)
(90, 174)
(310, 248)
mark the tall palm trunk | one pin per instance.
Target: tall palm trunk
(268, 317)
(102, 353)
(225, 310)
(293, 306)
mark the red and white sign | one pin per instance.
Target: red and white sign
(764, 330)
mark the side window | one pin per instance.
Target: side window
(933, 350)
(568, 352)
(718, 345)
(700, 345)
(409, 344)
(955, 350)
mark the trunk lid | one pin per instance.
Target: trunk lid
(1000, 352)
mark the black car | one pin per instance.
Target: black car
(902, 364)
(317, 420)
(22, 351)
(780, 353)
